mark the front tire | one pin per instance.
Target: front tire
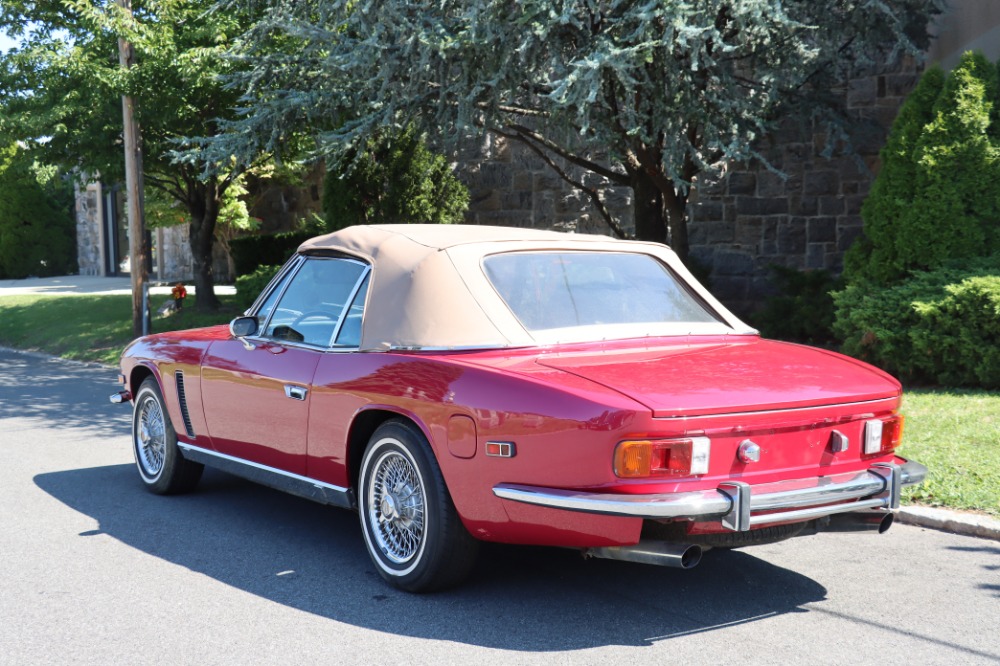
(410, 525)
(162, 468)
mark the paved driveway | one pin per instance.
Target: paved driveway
(94, 570)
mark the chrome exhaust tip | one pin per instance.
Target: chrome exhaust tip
(659, 553)
(875, 521)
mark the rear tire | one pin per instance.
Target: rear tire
(411, 528)
(162, 468)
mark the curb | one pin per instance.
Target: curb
(965, 524)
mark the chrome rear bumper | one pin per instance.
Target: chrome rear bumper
(740, 506)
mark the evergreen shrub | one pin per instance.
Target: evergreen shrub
(940, 326)
(803, 310)
(37, 230)
(251, 252)
(395, 179)
(937, 196)
(249, 286)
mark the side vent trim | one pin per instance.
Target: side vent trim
(182, 399)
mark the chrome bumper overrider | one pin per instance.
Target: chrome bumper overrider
(740, 506)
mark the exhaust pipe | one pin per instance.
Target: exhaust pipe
(660, 553)
(875, 521)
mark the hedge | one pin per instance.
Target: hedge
(250, 252)
(941, 326)
(249, 286)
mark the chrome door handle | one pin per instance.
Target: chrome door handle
(296, 392)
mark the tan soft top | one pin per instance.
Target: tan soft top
(429, 291)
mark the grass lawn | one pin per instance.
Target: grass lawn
(90, 327)
(955, 433)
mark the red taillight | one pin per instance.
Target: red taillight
(883, 435)
(662, 457)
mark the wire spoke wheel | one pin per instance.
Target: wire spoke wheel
(396, 505)
(162, 468)
(151, 443)
(413, 533)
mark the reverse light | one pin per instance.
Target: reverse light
(686, 456)
(883, 435)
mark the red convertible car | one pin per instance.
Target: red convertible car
(458, 384)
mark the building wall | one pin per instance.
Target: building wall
(89, 236)
(966, 25)
(804, 217)
(803, 212)
(509, 185)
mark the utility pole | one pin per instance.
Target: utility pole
(134, 194)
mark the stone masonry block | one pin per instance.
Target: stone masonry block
(742, 182)
(820, 182)
(759, 206)
(821, 230)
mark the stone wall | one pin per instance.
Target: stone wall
(173, 254)
(803, 212)
(89, 250)
(804, 217)
(280, 208)
(509, 185)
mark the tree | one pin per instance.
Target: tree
(652, 95)
(36, 222)
(937, 196)
(395, 179)
(61, 93)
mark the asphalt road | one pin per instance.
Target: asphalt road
(94, 570)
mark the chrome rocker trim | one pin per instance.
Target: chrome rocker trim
(295, 484)
(737, 505)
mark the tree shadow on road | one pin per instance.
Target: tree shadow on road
(312, 558)
(62, 393)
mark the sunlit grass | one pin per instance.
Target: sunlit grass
(89, 327)
(957, 435)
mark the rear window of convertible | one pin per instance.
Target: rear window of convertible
(553, 290)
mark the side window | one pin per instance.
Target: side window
(315, 300)
(268, 305)
(350, 330)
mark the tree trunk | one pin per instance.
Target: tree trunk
(675, 209)
(204, 209)
(650, 224)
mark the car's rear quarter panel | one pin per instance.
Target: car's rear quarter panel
(562, 437)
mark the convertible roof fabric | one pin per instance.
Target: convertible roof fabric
(429, 291)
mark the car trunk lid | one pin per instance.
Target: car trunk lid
(709, 376)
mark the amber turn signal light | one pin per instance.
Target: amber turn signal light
(636, 459)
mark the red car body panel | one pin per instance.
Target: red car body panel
(565, 408)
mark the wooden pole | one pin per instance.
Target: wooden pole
(134, 194)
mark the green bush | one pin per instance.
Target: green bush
(37, 230)
(937, 197)
(395, 179)
(251, 252)
(249, 286)
(940, 326)
(803, 309)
